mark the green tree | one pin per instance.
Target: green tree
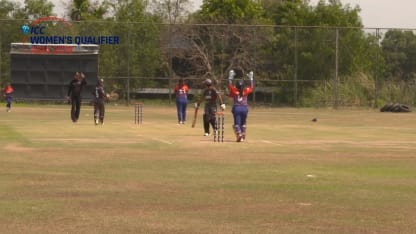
(88, 9)
(399, 51)
(11, 14)
(9, 32)
(8, 9)
(289, 13)
(230, 11)
(211, 50)
(334, 13)
(171, 11)
(138, 55)
(308, 50)
(35, 9)
(316, 45)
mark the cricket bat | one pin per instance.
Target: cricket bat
(195, 117)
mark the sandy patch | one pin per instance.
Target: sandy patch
(17, 148)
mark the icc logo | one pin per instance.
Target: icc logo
(32, 30)
(25, 29)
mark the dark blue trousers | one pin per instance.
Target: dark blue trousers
(240, 117)
(181, 109)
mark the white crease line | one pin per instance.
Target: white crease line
(156, 139)
(163, 141)
(269, 142)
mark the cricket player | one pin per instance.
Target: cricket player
(210, 96)
(181, 91)
(239, 94)
(74, 94)
(99, 99)
(7, 93)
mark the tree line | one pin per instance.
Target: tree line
(306, 54)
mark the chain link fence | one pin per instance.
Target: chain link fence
(293, 66)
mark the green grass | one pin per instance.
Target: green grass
(350, 172)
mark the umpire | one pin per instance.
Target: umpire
(74, 94)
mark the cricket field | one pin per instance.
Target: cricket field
(351, 171)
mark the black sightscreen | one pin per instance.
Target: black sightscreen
(47, 76)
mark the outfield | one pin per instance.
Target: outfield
(352, 171)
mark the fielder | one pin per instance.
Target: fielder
(210, 97)
(99, 99)
(181, 91)
(7, 93)
(239, 94)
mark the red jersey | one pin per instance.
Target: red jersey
(8, 90)
(235, 93)
(181, 92)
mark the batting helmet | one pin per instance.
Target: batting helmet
(240, 84)
(208, 82)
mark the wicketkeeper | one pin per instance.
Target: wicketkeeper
(239, 94)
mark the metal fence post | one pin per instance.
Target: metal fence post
(295, 92)
(170, 64)
(336, 79)
(128, 65)
(255, 60)
(377, 69)
(1, 44)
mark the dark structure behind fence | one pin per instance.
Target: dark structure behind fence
(43, 72)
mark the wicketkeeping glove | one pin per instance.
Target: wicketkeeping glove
(251, 75)
(231, 75)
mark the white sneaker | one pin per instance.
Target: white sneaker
(206, 134)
